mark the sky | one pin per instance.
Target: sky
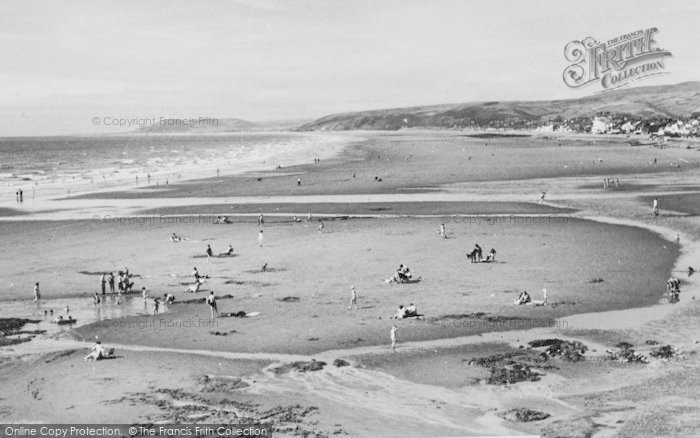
(63, 63)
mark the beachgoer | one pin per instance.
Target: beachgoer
(37, 294)
(393, 337)
(195, 287)
(156, 305)
(110, 280)
(103, 283)
(260, 238)
(523, 298)
(544, 296)
(168, 298)
(97, 352)
(211, 301)
(210, 253)
(678, 238)
(320, 227)
(144, 294)
(443, 233)
(542, 195)
(691, 271)
(655, 207)
(264, 268)
(411, 310)
(96, 299)
(195, 274)
(353, 298)
(298, 181)
(261, 220)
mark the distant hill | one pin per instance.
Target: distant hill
(647, 102)
(194, 126)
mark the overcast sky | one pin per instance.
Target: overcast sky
(64, 62)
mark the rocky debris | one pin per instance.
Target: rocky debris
(663, 352)
(570, 351)
(220, 384)
(509, 368)
(340, 363)
(626, 354)
(523, 415)
(300, 366)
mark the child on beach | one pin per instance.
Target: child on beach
(655, 207)
(156, 305)
(260, 238)
(393, 337)
(37, 295)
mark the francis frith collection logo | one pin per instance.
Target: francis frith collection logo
(616, 62)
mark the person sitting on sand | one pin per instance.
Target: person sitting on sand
(401, 312)
(175, 238)
(411, 310)
(195, 287)
(97, 352)
(491, 256)
(228, 253)
(168, 298)
(523, 298)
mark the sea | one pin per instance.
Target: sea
(84, 163)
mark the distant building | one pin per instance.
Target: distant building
(602, 123)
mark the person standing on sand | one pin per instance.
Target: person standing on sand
(353, 298)
(443, 233)
(110, 280)
(211, 300)
(393, 337)
(320, 227)
(260, 238)
(261, 220)
(210, 253)
(37, 295)
(144, 294)
(542, 195)
(655, 207)
(299, 182)
(156, 305)
(544, 296)
(103, 283)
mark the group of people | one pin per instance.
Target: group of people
(210, 253)
(477, 256)
(673, 289)
(609, 182)
(403, 275)
(525, 298)
(409, 311)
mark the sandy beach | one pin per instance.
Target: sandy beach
(602, 256)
